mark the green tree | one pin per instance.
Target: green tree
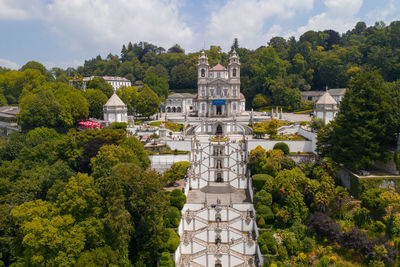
(128, 95)
(259, 101)
(41, 109)
(366, 125)
(100, 84)
(148, 102)
(96, 100)
(13, 83)
(177, 171)
(158, 84)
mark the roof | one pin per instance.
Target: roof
(118, 79)
(181, 95)
(241, 96)
(114, 101)
(332, 92)
(218, 67)
(326, 98)
(9, 110)
(337, 91)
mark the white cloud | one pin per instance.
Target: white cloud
(20, 10)
(8, 64)
(245, 20)
(341, 15)
(382, 12)
(105, 25)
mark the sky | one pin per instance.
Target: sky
(65, 33)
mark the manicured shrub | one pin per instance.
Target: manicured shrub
(177, 198)
(262, 198)
(266, 213)
(267, 243)
(259, 180)
(283, 147)
(288, 163)
(166, 260)
(173, 241)
(172, 217)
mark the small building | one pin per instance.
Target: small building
(336, 93)
(179, 102)
(8, 120)
(326, 108)
(115, 110)
(116, 82)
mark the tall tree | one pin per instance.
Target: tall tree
(148, 102)
(367, 123)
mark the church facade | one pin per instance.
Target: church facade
(219, 88)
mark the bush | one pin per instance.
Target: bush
(267, 243)
(259, 180)
(177, 198)
(172, 217)
(262, 198)
(119, 125)
(177, 170)
(265, 213)
(288, 163)
(283, 147)
(166, 260)
(172, 241)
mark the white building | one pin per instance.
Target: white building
(116, 82)
(179, 102)
(326, 108)
(219, 88)
(8, 120)
(336, 93)
(115, 110)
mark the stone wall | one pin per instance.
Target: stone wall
(294, 146)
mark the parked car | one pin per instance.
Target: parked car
(363, 173)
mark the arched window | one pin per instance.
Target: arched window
(218, 91)
(203, 73)
(234, 73)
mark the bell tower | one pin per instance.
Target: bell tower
(234, 66)
(203, 67)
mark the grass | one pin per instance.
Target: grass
(175, 127)
(288, 137)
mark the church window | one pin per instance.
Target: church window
(234, 73)
(203, 107)
(203, 73)
(203, 92)
(225, 92)
(234, 92)
(218, 91)
(211, 92)
(218, 74)
(234, 106)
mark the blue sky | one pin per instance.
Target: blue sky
(66, 32)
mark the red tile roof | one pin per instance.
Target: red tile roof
(218, 67)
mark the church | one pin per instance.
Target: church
(219, 89)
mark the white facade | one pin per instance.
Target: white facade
(219, 88)
(116, 82)
(180, 103)
(326, 108)
(115, 110)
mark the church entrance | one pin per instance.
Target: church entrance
(219, 110)
(219, 178)
(219, 130)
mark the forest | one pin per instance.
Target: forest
(89, 198)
